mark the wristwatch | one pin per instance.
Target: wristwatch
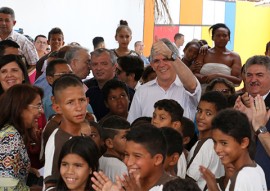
(174, 56)
(262, 130)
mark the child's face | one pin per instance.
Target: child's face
(85, 129)
(95, 136)
(75, 171)
(119, 141)
(123, 37)
(71, 103)
(206, 111)
(161, 118)
(191, 52)
(227, 148)
(56, 41)
(138, 160)
(118, 101)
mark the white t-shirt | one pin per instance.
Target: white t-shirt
(182, 166)
(112, 166)
(249, 179)
(206, 157)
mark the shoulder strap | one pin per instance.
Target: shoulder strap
(198, 147)
(233, 178)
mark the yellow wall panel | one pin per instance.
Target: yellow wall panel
(191, 12)
(206, 35)
(252, 30)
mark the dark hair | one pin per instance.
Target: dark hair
(112, 85)
(62, 51)
(233, 123)
(55, 30)
(7, 10)
(267, 46)
(147, 71)
(141, 120)
(214, 27)
(216, 98)
(50, 69)
(112, 124)
(150, 137)
(123, 24)
(97, 126)
(177, 36)
(260, 60)
(40, 35)
(14, 101)
(97, 40)
(86, 148)
(174, 140)
(65, 81)
(181, 184)
(4, 44)
(132, 65)
(224, 81)
(188, 127)
(192, 43)
(4, 60)
(172, 107)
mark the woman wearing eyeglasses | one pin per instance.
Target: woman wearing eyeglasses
(20, 109)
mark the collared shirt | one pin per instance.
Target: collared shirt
(27, 48)
(148, 94)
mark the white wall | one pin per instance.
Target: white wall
(80, 20)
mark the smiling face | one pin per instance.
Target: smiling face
(31, 114)
(163, 68)
(71, 103)
(102, 67)
(10, 75)
(56, 41)
(206, 111)
(257, 80)
(227, 148)
(75, 172)
(138, 160)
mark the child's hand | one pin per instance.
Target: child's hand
(130, 182)
(210, 179)
(103, 183)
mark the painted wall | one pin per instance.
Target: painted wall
(249, 25)
(80, 20)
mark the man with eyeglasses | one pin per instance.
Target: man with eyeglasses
(41, 45)
(174, 81)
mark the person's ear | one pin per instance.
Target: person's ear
(14, 23)
(49, 79)
(109, 143)
(158, 159)
(186, 140)
(56, 107)
(174, 159)
(245, 143)
(176, 125)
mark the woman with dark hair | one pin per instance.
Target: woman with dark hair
(21, 107)
(77, 164)
(221, 85)
(12, 71)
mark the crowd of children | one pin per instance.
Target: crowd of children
(171, 135)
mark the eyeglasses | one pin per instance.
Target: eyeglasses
(62, 73)
(39, 106)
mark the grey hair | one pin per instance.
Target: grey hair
(8, 11)
(99, 51)
(72, 53)
(260, 60)
(170, 45)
